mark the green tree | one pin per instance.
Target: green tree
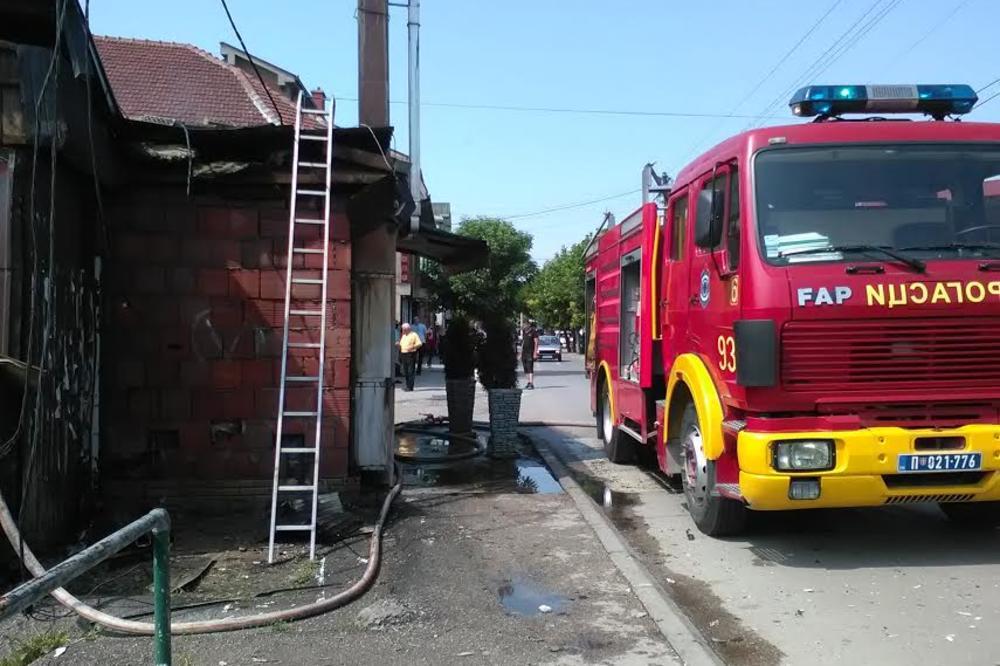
(496, 289)
(555, 296)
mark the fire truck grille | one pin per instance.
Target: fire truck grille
(890, 354)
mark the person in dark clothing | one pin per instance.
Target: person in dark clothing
(529, 352)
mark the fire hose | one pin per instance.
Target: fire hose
(208, 626)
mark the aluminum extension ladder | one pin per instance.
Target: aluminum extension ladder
(315, 335)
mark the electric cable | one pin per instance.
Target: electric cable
(281, 120)
(931, 30)
(579, 204)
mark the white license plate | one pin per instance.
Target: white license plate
(939, 462)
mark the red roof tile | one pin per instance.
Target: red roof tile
(168, 80)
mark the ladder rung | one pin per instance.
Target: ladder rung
(293, 528)
(303, 378)
(298, 449)
(300, 220)
(314, 112)
(307, 250)
(307, 280)
(313, 165)
(304, 345)
(312, 193)
(313, 137)
(294, 489)
(306, 313)
(300, 415)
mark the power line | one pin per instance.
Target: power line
(988, 85)
(931, 30)
(824, 60)
(565, 110)
(578, 204)
(694, 146)
(987, 100)
(252, 63)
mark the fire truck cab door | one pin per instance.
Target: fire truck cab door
(676, 277)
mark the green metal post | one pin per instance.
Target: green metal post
(161, 594)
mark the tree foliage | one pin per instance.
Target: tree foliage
(496, 289)
(555, 297)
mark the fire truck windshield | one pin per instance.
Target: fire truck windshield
(940, 201)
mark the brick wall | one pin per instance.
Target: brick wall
(194, 300)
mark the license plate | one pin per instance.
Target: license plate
(939, 462)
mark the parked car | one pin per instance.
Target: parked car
(549, 347)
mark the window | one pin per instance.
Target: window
(733, 224)
(819, 204)
(678, 232)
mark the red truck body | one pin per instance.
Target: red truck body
(874, 358)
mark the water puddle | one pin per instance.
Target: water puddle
(520, 596)
(430, 458)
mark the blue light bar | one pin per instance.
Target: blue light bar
(934, 100)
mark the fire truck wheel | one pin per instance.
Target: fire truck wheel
(714, 515)
(617, 445)
(972, 514)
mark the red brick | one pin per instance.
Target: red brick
(340, 371)
(175, 404)
(338, 343)
(243, 223)
(226, 374)
(181, 280)
(338, 284)
(272, 285)
(226, 313)
(141, 404)
(280, 257)
(341, 258)
(161, 249)
(162, 311)
(176, 343)
(238, 404)
(238, 342)
(130, 248)
(257, 253)
(300, 398)
(333, 464)
(162, 372)
(196, 373)
(180, 219)
(336, 401)
(213, 222)
(129, 374)
(340, 228)
(266, 401)
(225, 253)
(307, 291)
(258, 436)
(274, 223)
(259, 373)
(194, 436)
(195, 252)
(258, 312)
(148, 280)
(193, 310)
(244, 283)
(208, 404)
(213, 282)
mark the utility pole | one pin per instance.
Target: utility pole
(374, 276)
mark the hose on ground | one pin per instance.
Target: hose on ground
(210, 626)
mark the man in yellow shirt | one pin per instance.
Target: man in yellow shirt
(409, 343)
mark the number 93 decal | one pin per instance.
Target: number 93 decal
(727, 353)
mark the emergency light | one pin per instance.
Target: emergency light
(934, 100)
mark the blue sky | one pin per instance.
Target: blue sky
(654, 56)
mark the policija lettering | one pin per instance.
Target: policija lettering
(893, 295)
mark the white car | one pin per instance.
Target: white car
(549, 347)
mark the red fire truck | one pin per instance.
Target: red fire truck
(809, 315)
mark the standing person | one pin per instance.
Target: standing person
(529, 352)
(430, 345)
(397, 370)
(409, 346)
(421, 331)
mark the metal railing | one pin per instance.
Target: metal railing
(156, 522)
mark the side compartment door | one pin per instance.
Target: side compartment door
(674, 303)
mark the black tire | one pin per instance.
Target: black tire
(972, 514)
(713, 515)
(559, 358)
(618, 446)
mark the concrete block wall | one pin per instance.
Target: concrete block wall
(194, 306)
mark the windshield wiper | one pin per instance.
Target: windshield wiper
(953, 246)
(914, 263)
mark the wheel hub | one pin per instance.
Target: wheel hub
(695, 466)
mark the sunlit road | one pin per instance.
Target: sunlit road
(896, 585)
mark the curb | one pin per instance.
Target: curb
(675, 627)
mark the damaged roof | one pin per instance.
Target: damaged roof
(155, 80)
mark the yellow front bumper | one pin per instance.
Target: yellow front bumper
(862, 458)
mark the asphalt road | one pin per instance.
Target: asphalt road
(893, 585)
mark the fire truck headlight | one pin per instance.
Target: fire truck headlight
(802, 455)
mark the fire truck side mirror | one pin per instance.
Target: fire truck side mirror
(708, 228)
